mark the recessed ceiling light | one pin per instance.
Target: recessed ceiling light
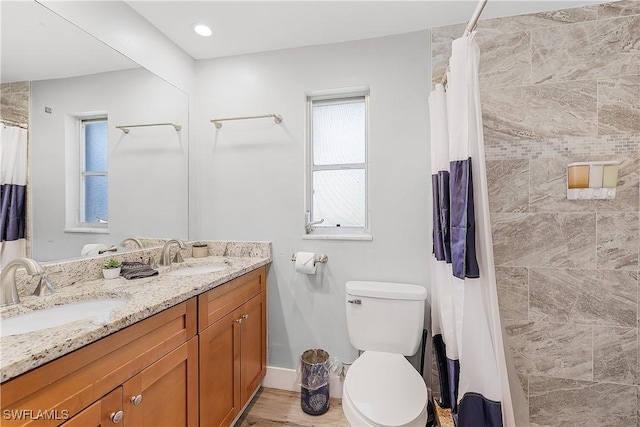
(202, 30)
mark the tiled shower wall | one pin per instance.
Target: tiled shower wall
(14, 106)
(14, 101)
(559, 87)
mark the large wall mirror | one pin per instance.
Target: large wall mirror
(90, 182)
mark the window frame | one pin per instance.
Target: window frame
(82, 121)
(336, 97)
(74, 168)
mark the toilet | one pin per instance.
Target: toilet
(382, 389)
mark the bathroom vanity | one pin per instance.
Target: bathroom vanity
(183, 350)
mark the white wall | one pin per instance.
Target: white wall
(251, 176)
(148, 168)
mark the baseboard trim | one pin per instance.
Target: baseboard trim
(286, 379)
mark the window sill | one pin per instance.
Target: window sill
(363, 236)
(87, 230)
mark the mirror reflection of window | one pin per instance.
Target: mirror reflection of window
(94, 185)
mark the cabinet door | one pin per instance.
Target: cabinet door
(253, 344)
(165, 393)
(220, 371)
(103, 413)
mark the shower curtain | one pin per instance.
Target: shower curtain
(13, 189)
(477, 378)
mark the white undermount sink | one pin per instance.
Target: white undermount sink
(192, 271)
(98, 309)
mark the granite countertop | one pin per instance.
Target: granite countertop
(144, 298)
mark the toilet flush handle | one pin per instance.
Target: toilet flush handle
(354, 301)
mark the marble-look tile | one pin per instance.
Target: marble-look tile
(615, 355)
(606, 298)
(540, 111)
(513, 24)
(565, 53)
(440, 54)
(505, 60)
(564, 402)
(5, 88)
(555, 349)
(15, 106)
(553, 18)
(618, 8)
(448, 33)
(617, 240)
(508, 183)
(619, 47)
(549, 187)
(619, 105)
(17, 87)
(564, 240)
(513, 292)
(628, 188)
(586, 51)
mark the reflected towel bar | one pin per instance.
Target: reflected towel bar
(126, 129)
(276, 118)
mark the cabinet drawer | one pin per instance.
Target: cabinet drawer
(73, 382)
(218, 302)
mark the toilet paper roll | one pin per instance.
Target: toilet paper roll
(304, 262)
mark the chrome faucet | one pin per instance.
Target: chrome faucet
(134, 240)
(44, 287)
(165, 257)
(8, 288)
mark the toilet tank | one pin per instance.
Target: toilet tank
(384, 316)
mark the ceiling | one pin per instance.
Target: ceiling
(241, 27)
(37, 44)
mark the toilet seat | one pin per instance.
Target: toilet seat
(385, 390)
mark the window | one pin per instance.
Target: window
(337, 172)
(94, 189)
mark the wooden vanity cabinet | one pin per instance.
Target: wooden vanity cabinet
(157, 372)
(165, 393)
(161, 395)
(103, 413)
(233, 335)
(143, 357)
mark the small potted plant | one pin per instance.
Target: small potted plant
(200, 249)
(111, 269)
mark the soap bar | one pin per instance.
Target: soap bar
(610, 176)
(578, 177)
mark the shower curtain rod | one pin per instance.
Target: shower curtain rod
(276, 118)
(471, 26)
(473, 22)
(14, 123)
(126, 129)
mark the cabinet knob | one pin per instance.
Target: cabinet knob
(245, 316)
(239, 320)
(116, 417)
(136, 400)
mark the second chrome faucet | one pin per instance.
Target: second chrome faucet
(165, 256)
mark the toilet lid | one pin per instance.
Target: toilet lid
(386, 389)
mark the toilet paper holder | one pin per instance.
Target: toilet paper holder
(319, 258)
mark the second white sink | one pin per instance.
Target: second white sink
(59, 315)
